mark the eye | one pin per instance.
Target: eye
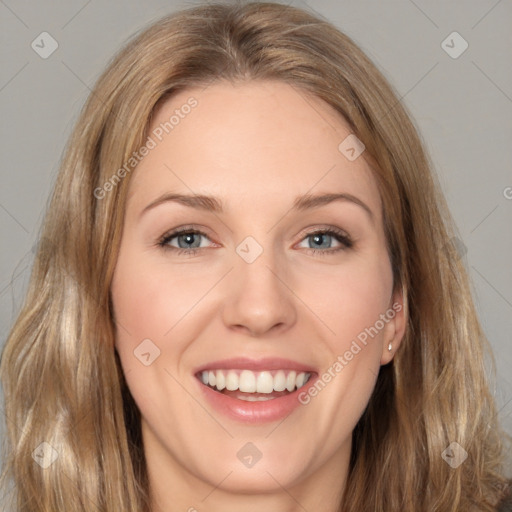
(188, 241)
(323, 238)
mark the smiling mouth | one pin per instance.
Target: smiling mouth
(254, 386)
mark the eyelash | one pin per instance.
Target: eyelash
(339, 235)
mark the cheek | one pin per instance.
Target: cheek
(155, 306)
(146, 306)
(352, 304)
(140, 319)
(149, 300)
(349, 299)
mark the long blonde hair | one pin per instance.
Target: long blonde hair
(62, 380)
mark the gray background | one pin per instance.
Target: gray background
(462, 107)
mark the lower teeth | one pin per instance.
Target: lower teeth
(249, 398)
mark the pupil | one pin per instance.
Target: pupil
(319, 238)
(188, 238)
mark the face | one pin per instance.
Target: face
(283, 301)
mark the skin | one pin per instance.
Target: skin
(257, 146)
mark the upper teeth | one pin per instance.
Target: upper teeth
(254, 382)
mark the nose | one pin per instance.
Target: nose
(258, 297)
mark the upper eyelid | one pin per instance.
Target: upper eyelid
(204, 231)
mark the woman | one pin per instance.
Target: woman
(259, 368)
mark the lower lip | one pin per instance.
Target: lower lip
(254, 412)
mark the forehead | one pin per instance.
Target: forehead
(253, 142)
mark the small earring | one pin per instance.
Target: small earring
(390, 346)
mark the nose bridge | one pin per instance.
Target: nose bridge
(258, 299)
(262, 260)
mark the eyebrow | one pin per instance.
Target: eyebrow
(214, 204)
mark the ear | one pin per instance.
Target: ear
(395, 328)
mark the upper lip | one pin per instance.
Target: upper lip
(245, 363)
